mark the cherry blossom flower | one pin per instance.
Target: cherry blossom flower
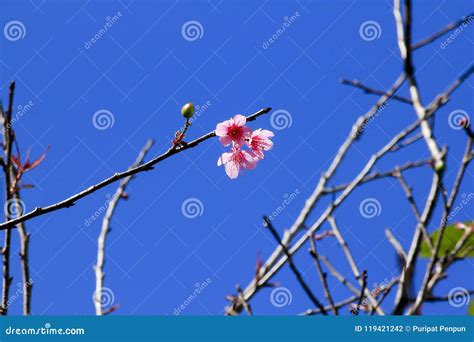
(233, 130)
(236, 160)
(260, 141)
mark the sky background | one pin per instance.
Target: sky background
(143, 69)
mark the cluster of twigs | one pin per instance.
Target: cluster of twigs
(303, 230)
(288, 245)
(14, 168)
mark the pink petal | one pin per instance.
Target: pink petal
(224, 158)
(232, 169)
(239, 120)
(221, 128)
(266, 133)
(225, 140)
(249, 161)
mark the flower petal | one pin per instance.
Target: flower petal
(239, 119)
(221, 128)
(232, 169)
(225, 140)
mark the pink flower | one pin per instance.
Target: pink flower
(235, 160)
(233, 130)
(260, 141)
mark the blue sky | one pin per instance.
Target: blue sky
(143, 69)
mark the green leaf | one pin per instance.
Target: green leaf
(450, 238)
(470, 310)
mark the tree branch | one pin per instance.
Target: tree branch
(112, 205)
(70, 201)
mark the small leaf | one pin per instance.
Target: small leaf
(451, 236)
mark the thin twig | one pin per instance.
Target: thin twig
(396, 245)
(363, 288)
(379, 175)
(322, 275)
(337, 305)
(442, 32)
(369, 90)
(8, 137)
(101, 243)
(70, 201)
(268, 224)
(361, 277)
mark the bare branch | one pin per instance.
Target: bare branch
(294, 269)
(8, 137)
(396, 244)
(368, 90)
(322, 275)
(112, 205)
(70, 201)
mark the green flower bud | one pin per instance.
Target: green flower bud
(439, 166)
(188, 110)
